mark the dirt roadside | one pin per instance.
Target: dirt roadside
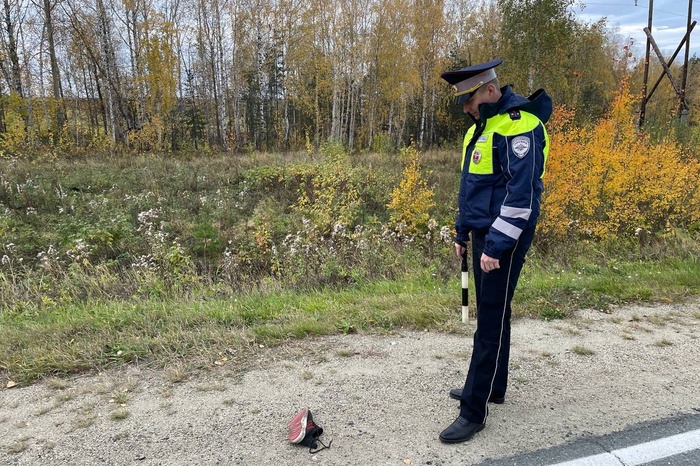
(382, 400)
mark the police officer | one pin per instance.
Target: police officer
(503, 162)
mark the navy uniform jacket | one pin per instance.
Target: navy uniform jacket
(501, 186)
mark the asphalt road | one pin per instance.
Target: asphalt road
(674, 441)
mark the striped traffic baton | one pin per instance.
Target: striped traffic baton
(465, 287)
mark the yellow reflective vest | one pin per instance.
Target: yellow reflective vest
(501, 185)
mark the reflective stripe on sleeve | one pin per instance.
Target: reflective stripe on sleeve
(516, 212)
(506, 228)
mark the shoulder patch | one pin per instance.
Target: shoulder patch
(515, 114)
(520, 146)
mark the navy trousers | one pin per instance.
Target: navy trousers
(488, 369)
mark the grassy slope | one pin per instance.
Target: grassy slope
(196, 333)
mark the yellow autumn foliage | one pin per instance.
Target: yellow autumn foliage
(412, 200)
(611, 180)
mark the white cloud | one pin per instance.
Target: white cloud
(669, 23)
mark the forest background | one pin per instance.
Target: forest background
(277, 75)
(190, 177)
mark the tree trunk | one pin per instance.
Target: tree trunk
(15, 75)
(55, 71)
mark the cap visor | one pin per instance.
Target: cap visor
(459, 100)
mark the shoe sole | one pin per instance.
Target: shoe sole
(443, 440)
(298, 423)
(498, 401)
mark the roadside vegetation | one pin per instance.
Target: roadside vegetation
(197, 261)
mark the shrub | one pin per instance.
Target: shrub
(612, 181)
(412, 200)
(330, 194)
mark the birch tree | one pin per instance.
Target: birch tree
(9, 59)
(427, 33)
(48, 10)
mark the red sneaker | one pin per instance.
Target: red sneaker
(297, 426)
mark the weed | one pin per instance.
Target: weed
(45, 410)
(643, 328)
(212, 387)
(165, 392)
(17, 446)
(582, 350)
(84, 421)
(65, 397)
(176, 374)
(120, 398)
(656, 320)
(551, 313)
(119, 414)
(663, 343)
(55, 383)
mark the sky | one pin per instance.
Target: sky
(669, 22)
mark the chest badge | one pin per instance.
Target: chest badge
(520, 146)
(476, 156)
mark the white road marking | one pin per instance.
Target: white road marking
(642, 453)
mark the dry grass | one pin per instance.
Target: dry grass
(18, 446)
(664, 342)
(176, 374)
(211, 387)
(119, 414)
(582, 351)
(84, 421)
(54, 383)
(120, 398)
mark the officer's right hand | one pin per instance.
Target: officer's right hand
(460, 249)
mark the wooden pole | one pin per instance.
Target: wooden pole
(643, 109)
(683, 107)
(666, 68)
(670, 60)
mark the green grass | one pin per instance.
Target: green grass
(73, 338)
(172, 262)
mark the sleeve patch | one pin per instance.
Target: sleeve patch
(520, 146)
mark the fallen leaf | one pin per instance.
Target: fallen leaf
(11, 384)
(408, 461)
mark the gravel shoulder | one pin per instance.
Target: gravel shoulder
(382, 400)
